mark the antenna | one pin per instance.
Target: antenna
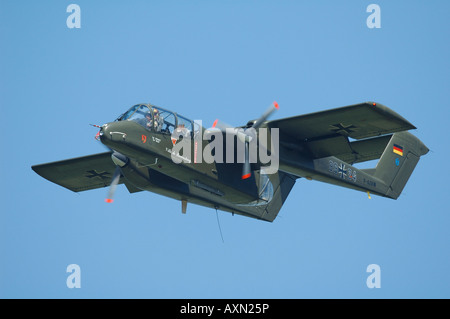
(218, 223)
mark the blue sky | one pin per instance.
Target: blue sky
(226, 60)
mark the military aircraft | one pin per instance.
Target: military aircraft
(144, 155)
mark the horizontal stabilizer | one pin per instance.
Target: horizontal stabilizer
(349, 152)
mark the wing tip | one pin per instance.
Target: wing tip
(389, 112)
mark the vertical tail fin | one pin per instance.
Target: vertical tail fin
(398, 162)
(283, 184)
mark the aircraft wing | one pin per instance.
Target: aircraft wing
(356, 121)
(81, 173)
(326, 133)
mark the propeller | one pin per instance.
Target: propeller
(246, 136)
(113, 186)
(120, 160)
(246, 169)
(272, 108)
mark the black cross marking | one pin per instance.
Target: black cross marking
(343, 129)
(94, 173)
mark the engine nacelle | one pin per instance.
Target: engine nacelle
(119, 159)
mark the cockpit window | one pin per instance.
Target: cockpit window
(140, 114)
(164, 120)
(136, 112)
(157, 119)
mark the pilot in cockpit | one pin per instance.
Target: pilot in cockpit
(158, 121)
(149, 121)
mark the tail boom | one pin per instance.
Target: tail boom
(387, 179)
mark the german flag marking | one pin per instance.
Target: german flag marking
(398, 150)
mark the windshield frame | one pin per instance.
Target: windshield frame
(169, 123)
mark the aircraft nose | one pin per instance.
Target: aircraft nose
(111, 134)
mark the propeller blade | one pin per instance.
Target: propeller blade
(272, 108)
(246, 169)
(112, 187)
(221, 125)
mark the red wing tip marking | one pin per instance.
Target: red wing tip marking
(276, 105)
(246, 176)
(109, 200)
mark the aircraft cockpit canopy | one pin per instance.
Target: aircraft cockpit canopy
(156, 119)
